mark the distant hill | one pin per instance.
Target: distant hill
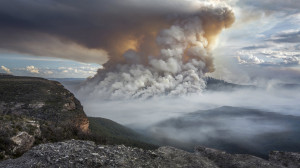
(71, 84)
(115, 133)
(213, 84)
(233, 129)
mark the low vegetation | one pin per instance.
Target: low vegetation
(36, 110)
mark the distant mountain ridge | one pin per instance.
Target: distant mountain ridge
(213, 84)
(233, 129)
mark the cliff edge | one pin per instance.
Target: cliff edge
(34, 111)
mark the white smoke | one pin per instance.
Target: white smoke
(184, 57)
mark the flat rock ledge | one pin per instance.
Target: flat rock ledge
(75, 153)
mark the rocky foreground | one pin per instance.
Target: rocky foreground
(76, 153)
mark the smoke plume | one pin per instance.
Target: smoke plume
(167, 56)
(148, 47)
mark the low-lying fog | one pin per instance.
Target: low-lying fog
(268, 118)
(142, 113)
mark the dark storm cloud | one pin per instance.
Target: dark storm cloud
(48, 28)
(87, 30)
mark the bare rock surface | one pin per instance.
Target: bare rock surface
(225, 160)
(86, 154)
(287, 159)
(76, 153)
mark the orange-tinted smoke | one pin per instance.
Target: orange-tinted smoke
(142, 37)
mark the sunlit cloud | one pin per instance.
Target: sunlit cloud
(32, 69)
(5, 69)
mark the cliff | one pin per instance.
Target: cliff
(41, 99)
(34, 111)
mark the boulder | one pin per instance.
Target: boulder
(23, 142)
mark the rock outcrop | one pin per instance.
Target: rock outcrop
(23, 142)
(86, 154)
(40, 99)
(225, 160)
(34, 111)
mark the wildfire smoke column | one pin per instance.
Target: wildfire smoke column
(169, 57)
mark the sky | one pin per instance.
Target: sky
(72, 39)
(48, 67)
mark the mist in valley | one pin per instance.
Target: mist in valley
(237, 119)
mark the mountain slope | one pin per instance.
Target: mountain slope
(213, 84)
(233, 129)
(115, 133)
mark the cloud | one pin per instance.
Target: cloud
(173, 62)
(5, 69)
(41, 44)
(48, 72)
(289, 36)
(89, 32)
(253, 47)
(268, 57)
(261, 23)
(275, 6)
(32, 69)
(291, 61)
(81, 70)
(249, 59)
(281, 49)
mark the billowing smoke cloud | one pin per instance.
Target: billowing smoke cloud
(94, 31)
(163, 61)
(148, 47)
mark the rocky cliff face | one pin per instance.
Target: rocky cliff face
(86, 154)
(36, 110)
(41, 99)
